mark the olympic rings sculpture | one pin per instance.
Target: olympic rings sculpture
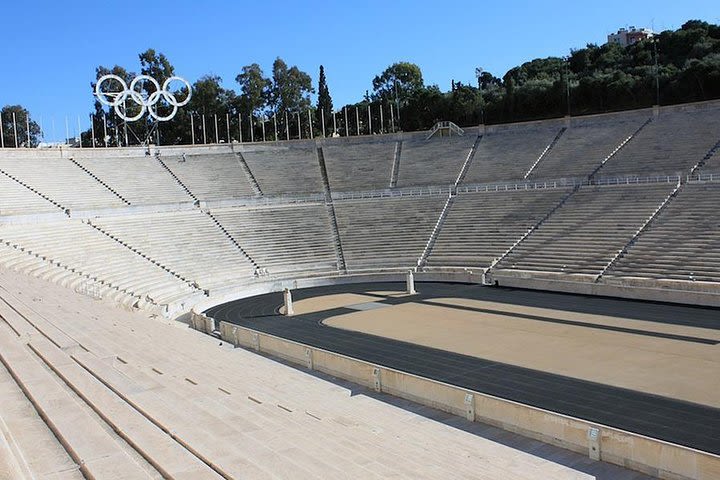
(147, 102)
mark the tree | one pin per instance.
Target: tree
(425, 107)
(324, 103)
(209, 99)
(254, 89)
(290, 89)
(156, 65)
(21, 116)
(465, 105)
(397, 82)
(487, 80)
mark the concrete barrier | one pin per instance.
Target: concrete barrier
(650, 456)
(202, 323)
(653, 290)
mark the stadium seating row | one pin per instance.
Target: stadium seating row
(117, 244)
(672, 142)
(162, 258)
(85, 393)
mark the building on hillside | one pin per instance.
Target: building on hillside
(629, 36)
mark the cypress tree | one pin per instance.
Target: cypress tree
(324, 103)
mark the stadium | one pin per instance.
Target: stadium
(518, 236)
(525, 299)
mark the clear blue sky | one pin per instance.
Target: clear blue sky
(50, 48)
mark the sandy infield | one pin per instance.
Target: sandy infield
(668, 367)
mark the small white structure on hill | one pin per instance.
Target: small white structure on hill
(630, 36)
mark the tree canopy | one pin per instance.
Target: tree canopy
(290, 89)
(399, 81)
(15, 122)
(674, 66)
(254, 89)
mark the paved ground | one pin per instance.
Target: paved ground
(645, 367)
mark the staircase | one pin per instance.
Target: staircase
(715, 148)
(447, 126)
(232, 239)
(17, 180)
(189, 282)
(101, 182)
(182, 185)
(422, 260)
(396, 164)
(619, 147)
(532, 229)
(640, 231)
(330, 207)
(248, 173)
(468, 161)
(546, 151)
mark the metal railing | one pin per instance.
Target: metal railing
(703, 178)
(506, 187)
(446, 124)
(398, 192)
(633, 179)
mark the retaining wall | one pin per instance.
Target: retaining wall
(600, 442)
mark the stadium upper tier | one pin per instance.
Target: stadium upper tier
(619, 198)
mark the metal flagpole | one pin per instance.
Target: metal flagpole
(252, 129)
(334, 123)
(263, 127)
(27, 127)
(125, 124)
(310, 125)
(382, 120)
(192, 129)
(105, 135)
(217, 133)
(79, 132)
(67, 130)
(369, 121)
(275, 124)
(346, 122)
(392, 119)
(299, 130)
(322, 119)
(287, 126)
(92, 129)
(240, 126)
(227, 124)
(204, 130)
(357, 120)
(15, 129)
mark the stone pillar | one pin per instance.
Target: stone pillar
(288, 302)
(410, 281)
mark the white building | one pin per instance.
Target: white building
(629, 36)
